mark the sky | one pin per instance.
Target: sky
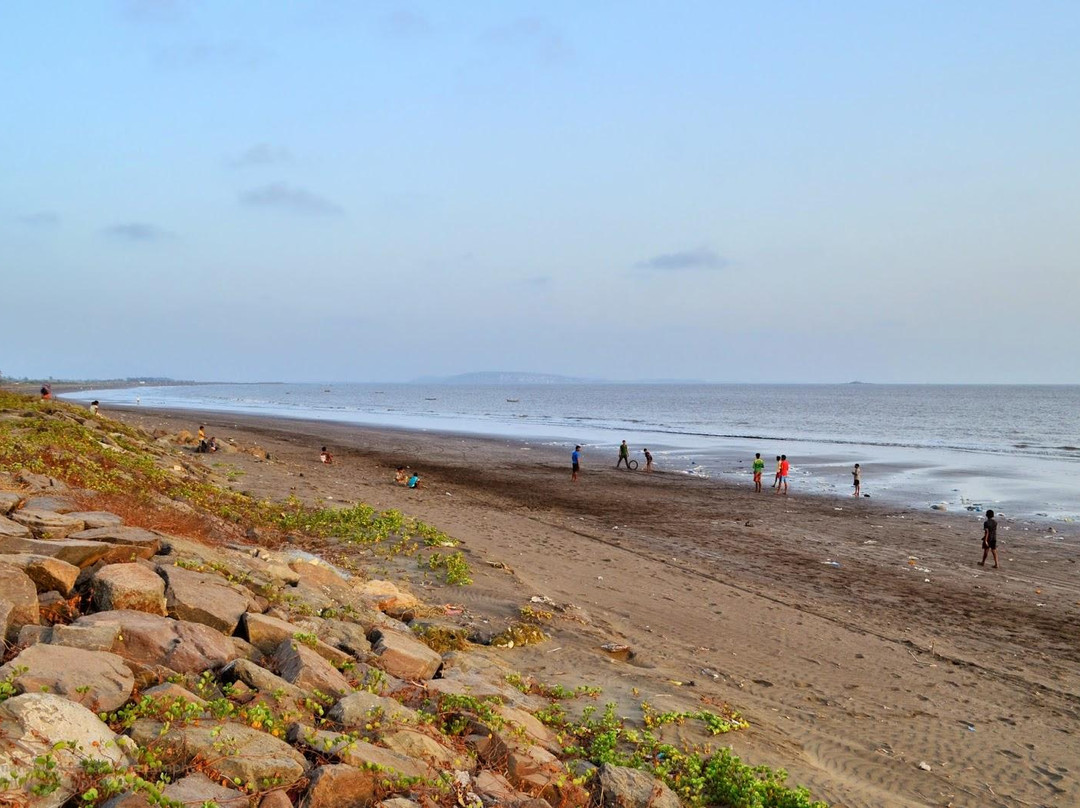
(717, 191)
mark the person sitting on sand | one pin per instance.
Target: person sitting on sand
(648, 460)
(855, 473)
(989, 539)
(325, 456)
(94, 407)
(46, 392)
(212, 444)
(401, 477)
(414, 481)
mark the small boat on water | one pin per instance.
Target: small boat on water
(431, 399)
(513, 400)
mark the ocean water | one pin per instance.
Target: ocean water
(1012, 448)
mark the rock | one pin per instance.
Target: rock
(267, 633)
(35, 724)
(531, 728)
(18, 602)
(160, 641)
(420, 746)
(95, 679)
(275, 799)
(402, 656)
(97, 519)
(340, 786)
(359, 753)
(50, 502)
(357, 709)
(40, 482)
(11, 528)
(88, 638)
(48, 574)
(197, 790)
(79, 553)
(200, 597)
(349, 637)
(128, 586)
(622, 787)
(148, 541)
(246, 650)
(387, 597)
(254, 757)
(243, 670)
(47, 524)
(396, 802)
(9, 501)
(307, 670)
(168, 693)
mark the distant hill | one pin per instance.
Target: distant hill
(505, 377)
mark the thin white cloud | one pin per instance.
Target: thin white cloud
(700, 258)
(261, 154)
(136, 232)
(41, 218)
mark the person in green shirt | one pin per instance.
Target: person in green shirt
(624, 456)
(759, 469)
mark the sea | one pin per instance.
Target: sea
(964, 448)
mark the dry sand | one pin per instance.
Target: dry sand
(908, 653)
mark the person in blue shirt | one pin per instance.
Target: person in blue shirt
(414, 481)
(575, 459)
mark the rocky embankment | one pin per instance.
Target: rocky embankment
(144, 666)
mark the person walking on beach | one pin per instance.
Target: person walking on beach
(624, 456)
(759, 469)
(776, 479)
(989, 540)
(855, 473)
(648, 461)
(575, 460)
(785, 469)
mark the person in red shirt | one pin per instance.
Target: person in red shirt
(785, 468)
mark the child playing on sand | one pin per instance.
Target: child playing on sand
(400, 476)
(759, 469)
(855, 474)
(414, 481)
(776, 479)
(325, 456)
(989, 539)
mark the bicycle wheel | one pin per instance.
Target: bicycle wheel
(633, 465)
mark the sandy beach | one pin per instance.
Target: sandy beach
(873, 658)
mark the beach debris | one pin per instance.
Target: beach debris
(869, 541)
(940, 506)
(925, 766)
(617, 651)
(835, 564)
(542, 599)
(453, 609)
(710, 673)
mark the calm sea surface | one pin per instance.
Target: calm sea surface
(1015, 448)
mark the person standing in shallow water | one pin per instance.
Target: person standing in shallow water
(575, 460)
(759, 469)
(624, 456)
(989, 540)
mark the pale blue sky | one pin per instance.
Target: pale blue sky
(885, 191)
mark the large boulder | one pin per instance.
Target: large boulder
(267, 633)
(204, 598)
(354, 752)
(9, 501)
(307, 670)
(97, 519)
(37, 724)
(18, 602)
(88, 638)
(623, 787)
(79, 553)
(246, 671)
(347, 636)
(358, 709)
(156, 641)
(128, 586)
(48, 574)
(50, 502)
(95, 679)
(254, 757)
(48, 524)
(148, 542)
(340, 786)
(404, 657)
(197, 790)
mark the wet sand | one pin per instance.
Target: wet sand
(851, 676)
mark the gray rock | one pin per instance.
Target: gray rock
(47, 524)
(275, 799)
(95, 679)
(18, 602)
(79, 553)
(254, 757)
(88, 638)
(357, 709)
(358, 753)
(13, 529)
(402, 656)
(623, 787)
(50, 502)
(128, 586)
(160, 641)
(169, 692)
(307, 670)
(9, 500)
(40, 482)
(148, 541)
(349, 637)
(197, 790)
(421, 746)
(246, 671)
(200, 597)
(48, 574)
(34, 724)
(97, 519)
(266, 633)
